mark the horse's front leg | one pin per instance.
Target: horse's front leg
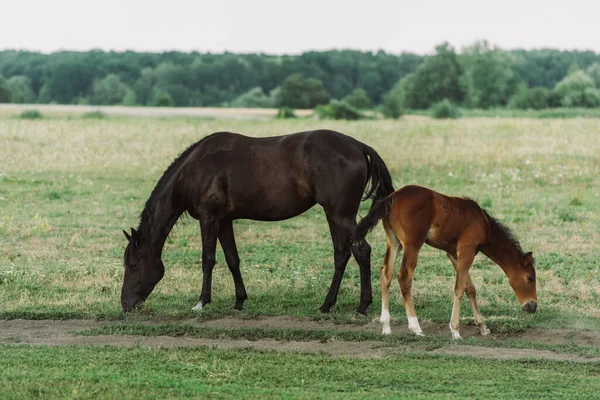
(209, 227)
(472, 294)
(463, 263)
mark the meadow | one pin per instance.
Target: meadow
(68, 186)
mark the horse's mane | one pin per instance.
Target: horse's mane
(164, 179)
(505, 230)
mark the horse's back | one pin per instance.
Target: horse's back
(273, 177)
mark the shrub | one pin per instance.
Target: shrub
(536, 98)
(161, 98)
(31, 114)
(94, 115)
(253, 98)
(338, 110)
(285, 113)
(358, 99)
(445, 109)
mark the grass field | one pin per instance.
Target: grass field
(68, 187)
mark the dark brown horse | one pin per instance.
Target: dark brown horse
(415, 215)
(227, 176)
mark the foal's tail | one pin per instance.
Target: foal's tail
(378, 174)
(379, 209)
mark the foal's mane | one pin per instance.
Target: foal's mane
(164, 181)
(498, 226)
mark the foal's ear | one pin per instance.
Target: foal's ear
(127, 236)
(528, 259)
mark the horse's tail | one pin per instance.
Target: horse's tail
(379, 175)
(379, 209)
(381, 187)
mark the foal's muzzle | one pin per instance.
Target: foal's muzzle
(529, 307)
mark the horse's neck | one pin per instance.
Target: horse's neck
(158, 218)
(501, 250)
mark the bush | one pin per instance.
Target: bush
(358, 99)
(161, 99)
(536, 98)
(253, 98)
(94, 115)
(285, 113)
(445, 109)
(338, 110)
(31, 114)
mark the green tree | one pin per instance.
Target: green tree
(535, 98)
(5, 93)
(359, 99)
(438, 78)
(489, 76)
(300, 92)
(20, 89)
(578, 90)
(594, 72)
(109, 90)
(394, 101)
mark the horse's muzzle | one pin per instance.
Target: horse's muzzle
(529, 307)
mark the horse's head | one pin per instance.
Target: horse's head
(143, 270)
(522, 280)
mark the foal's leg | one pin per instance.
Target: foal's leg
(472, 294)
(405, 276)
(387, 270)
(463, 263)
(341, 231)
(227, 240)
(209, 227)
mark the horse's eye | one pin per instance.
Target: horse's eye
(530, 278)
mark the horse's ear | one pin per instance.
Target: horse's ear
(134, 233)
(528, 259)
(127, 236)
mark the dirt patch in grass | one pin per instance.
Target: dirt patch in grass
(55, 333)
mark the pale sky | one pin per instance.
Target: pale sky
(291, 27)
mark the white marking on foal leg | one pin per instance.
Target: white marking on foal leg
(197, 307)
(413, 325)
(385, 322)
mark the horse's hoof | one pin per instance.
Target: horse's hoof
(197, 307)
(238, 307)
(325, 309)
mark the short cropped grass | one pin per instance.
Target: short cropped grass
(68, 188)
(105, 373)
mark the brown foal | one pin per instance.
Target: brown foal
(415, 215)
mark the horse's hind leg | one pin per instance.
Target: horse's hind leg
(227, 240)
(472, 294)
(362, 255)
(209, 227)
(341, 231)
(405, 277)
(387, 271)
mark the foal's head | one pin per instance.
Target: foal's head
(522, 279)
(143, 271)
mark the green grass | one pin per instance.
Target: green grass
(91, 372)
(68, 187)
(515, 113)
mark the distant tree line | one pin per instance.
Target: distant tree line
(481, 76)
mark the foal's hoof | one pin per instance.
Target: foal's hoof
(484, 330)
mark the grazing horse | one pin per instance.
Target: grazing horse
(227, 176)
(415, 215)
